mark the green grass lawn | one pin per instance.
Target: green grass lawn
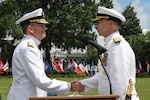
(142, 86)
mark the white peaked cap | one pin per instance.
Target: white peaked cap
(109, 14)
(36, 16)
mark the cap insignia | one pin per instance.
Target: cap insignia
(30, 44)
(117, 39)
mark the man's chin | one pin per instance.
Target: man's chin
(42, 37)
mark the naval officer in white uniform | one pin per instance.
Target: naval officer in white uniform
(119, 60)
(29, 78)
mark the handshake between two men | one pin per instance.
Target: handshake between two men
(77, 86)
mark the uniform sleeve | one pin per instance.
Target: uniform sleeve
(90, 83)
(34, 68)
(119, 63)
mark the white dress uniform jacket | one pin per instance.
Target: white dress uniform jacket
(120, 66)
(29, 78)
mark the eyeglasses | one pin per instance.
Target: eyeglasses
(39, 24)
(42, 25)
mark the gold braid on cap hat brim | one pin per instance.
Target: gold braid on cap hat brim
(100, 17)
(42, 21)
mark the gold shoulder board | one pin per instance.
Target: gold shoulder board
(117, 39)
(30, 44)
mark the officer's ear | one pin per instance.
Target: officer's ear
(30, 29)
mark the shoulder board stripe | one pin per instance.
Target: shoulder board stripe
(117, 39)
(30, 44)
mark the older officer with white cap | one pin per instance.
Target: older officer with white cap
(29, 78)
(119, 60)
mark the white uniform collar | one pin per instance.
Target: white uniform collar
(108, 40)
(37, 42)
(111, 36)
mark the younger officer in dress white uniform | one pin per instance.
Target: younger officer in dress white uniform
(29, 78)
(119, 60)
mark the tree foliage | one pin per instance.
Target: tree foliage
(140, 44)
(67, 19)
(91, 55)
(8, 27)
(106, 3)
(131, 26)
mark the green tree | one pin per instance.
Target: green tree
(140, 44)
(67, 19)
(8, 27)
(131, 26)
(91, 55)
(106, 3)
